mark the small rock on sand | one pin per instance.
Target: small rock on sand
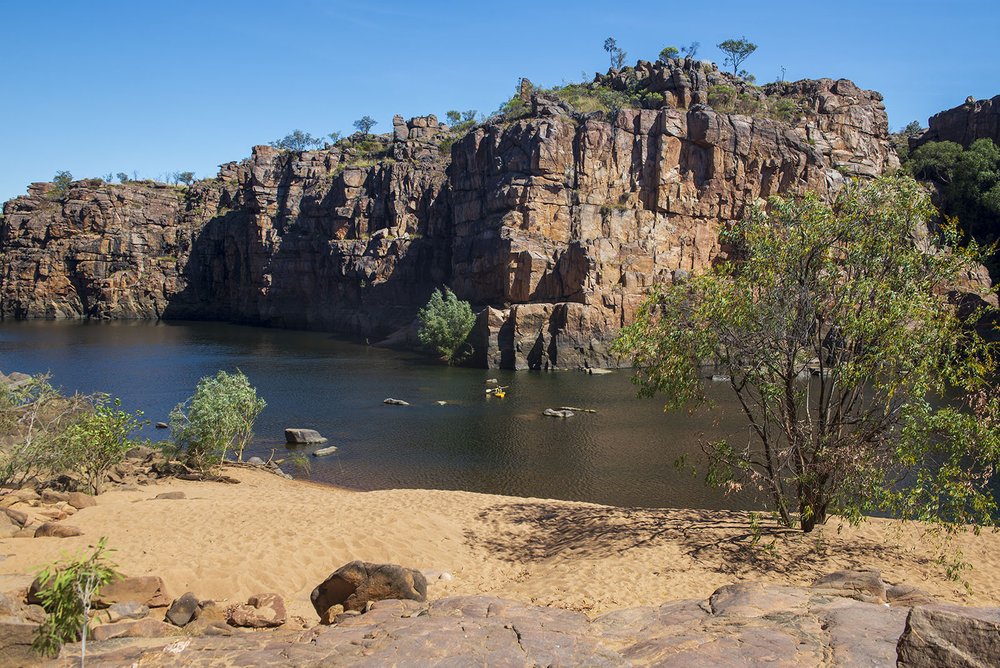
(53, 530)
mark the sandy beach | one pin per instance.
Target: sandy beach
(227, 542)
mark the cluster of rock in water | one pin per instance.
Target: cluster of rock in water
(554, 226)
(378, 614)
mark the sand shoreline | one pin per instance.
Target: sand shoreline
(227, 542)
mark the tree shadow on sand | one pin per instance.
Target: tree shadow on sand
(724, 541)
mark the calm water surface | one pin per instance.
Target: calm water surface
(622, 455)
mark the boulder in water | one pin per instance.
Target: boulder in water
(296, 436)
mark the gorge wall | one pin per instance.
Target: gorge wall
(554, 225)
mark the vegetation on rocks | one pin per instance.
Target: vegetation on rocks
(864, 388)
(98, 441)
(969, 184)
(445, 323)
(217, 418)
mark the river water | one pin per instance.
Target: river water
(622, 455)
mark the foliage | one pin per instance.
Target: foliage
(722, 97)
(863, 387)
(66, 594)
(98, 441)
(297, 140)
(615, 54)
(737, 50)
(669, 53)
(33, 417)
(218, 416)
(122, 177)
(61, 182)
(461, 121)
(365, 124)
(969, 182)
(334, 137)
(187, 178)
(445, 323)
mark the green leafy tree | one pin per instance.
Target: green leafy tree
(297, 141)
(66, 594)
(334, 137)
(969, 184)
(669, 53)
(219, 416)
(122, 177)
(445, 323)
(737, 50)
(187, 178)
(33, 417)
(864, 389)
(365, 124)
(61, 182)
(453, 116)
(98, 441)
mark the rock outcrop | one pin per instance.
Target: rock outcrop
(964, 124)
(553, 225)
(745, 624)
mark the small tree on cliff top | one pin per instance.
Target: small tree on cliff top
(365, 124)
(863, 388)
(445, 323)
(737, 50)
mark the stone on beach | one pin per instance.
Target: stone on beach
(183, 609)
(260, 611)
(55, 530)
(357, 583)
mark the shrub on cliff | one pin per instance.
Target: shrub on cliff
(219, 416)
(864, 389)
(297, 141)
(445, 323)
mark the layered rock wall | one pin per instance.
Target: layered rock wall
(964, 124)
(554, 225)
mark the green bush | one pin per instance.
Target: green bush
(445, 323)
(33, 418)
(98, 441)
(219, 416)
(66, 593)
(722, 98)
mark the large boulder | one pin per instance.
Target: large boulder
(356, 584)
(294, 436)
(183, 609)
(148, 590)
(950, 635)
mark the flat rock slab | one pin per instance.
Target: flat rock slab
(53, 530)
(741, 625)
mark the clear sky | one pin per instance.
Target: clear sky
(155, 87)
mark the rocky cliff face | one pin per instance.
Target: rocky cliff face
(553, 225)
(964, 124)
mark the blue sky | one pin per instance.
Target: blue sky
(155, 87)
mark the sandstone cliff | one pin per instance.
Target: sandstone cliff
(554, 225)
(964, 124)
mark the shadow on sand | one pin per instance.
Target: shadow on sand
(724, 541)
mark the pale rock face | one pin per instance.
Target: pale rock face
(555, 226)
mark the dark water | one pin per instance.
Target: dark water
(622, 455)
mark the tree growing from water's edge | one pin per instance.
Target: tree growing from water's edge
(864, 388)
(445, 323)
